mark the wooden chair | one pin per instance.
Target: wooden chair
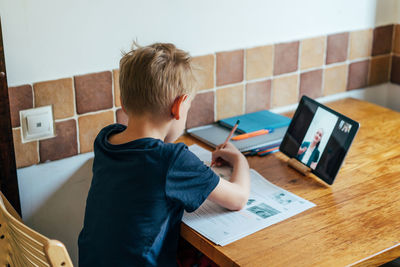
(21, 246)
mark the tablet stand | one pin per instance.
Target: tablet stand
(298, 166)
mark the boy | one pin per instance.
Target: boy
(142, 181)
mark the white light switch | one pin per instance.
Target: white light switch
(37, 123)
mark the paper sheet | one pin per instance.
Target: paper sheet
(268, 204)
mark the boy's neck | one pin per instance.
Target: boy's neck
(141, 127)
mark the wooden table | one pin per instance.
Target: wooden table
(356, 220)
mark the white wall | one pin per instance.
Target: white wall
(53, 198)
(50, 39)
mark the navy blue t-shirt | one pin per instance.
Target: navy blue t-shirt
(136, 201)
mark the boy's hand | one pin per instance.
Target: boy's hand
(226, 154)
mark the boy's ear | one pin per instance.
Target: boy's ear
(123, 109)
(176, 106)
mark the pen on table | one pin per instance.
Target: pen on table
(228, 138)
(252, 134)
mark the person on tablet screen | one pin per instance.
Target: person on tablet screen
(308, 152)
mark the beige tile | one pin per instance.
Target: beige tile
(258, 96)
(204, 69)
(312, 52)
(335, 79)
(58, 93)
(117, 93)
(90, 126)
(285, 90)
(25, 154)
(360, 44)
(259, 62)
(229, 101)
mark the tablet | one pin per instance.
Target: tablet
(319, 137)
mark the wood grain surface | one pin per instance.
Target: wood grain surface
(356, 220)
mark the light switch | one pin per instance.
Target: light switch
(37, 123)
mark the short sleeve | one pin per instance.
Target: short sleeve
(189, 181)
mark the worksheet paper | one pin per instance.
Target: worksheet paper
(268, 204)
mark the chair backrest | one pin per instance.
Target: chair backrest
(22, 246)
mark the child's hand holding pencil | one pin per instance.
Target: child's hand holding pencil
(230, 150)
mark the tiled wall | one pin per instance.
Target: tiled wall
(230, 83)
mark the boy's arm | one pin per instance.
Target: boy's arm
(232, 194)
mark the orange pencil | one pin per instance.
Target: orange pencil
(252, 134)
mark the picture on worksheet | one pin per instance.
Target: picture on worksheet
(316, 138)
(263, 210)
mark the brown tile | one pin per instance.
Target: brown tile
(358, 75)
(21, 98)
(25, 154)
(360, 44)
(229, 67)
(93, 92)
(286, 57)
(204, 71)
(285, 90)
(336, 50)
(311, 84)
(335, 79)
(259, 62)
(312, 53)
(121, 117)
(382, 40)
(201, 111)
(117, 92)
(90, 126)
(258, 96)
(57, 93)
(396, 43)
(63, 145)
(380, 68)
(395, 73)
(229, 101)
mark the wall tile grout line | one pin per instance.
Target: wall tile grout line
(215, 87)
(75, 117)
(323, 65)
(244, 93)
(298, 70)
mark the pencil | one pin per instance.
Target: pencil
(228, 138)
(231, 133)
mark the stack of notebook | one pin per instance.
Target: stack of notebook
(216, 133)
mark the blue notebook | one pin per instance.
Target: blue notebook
(255, 121)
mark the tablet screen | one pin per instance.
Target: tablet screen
(319, 137)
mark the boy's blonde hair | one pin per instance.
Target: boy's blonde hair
(152, 77)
